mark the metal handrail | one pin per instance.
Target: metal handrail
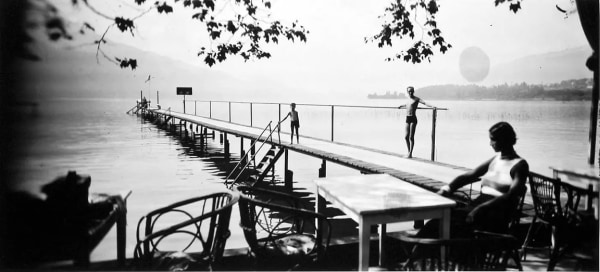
(305, 104)
(332, 106)
(270, 136)
(130, 110)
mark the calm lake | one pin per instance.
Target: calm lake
(122, 152)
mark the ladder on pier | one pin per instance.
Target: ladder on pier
(247, 171)
(134, 110)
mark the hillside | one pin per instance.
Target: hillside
(545, 68)
(76, 73)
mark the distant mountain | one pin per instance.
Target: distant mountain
(76, 73)
(543, 68)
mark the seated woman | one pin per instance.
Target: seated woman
(503, 179)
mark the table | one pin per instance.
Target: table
(586, 178)
(381, 199)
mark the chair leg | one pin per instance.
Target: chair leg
(517, 258)
(554, 251)
(553, 258)
(527, 239)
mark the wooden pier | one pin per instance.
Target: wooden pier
(427, 174)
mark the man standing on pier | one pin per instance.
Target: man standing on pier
(411, 117)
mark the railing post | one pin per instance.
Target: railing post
(279, 118)
(251, 114)
(210, 109)
(195, 103)
(157, 101)
(229, 111)
(332, 122)
(433, 121)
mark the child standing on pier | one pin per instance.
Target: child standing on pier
(411, 118)
(294, 122)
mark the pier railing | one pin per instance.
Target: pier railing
(332, 109)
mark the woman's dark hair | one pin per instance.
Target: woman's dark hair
(503, 132)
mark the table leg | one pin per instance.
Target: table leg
(444, 230)
(445, 224)
(363, 245)
(382, 238)
(121, 236)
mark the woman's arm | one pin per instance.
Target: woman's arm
(466, 178)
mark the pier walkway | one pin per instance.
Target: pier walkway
(427, 174)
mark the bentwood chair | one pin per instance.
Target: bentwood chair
(189, 234)
(484, 251)
(280, 235)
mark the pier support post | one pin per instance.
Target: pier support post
(320, 202)
(184, 131)
(323, 169)
(226, 143)
(289, 174)
(242, 152)
(221, 138)
(203, 137)
(289, 180)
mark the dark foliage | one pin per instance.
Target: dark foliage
(401, 17)
(245, 28)
(125, 62)
(244, 33)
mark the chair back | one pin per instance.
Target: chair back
(199, 224)
(271, 196)
(485, 251)
(545, 193)
(267, 222)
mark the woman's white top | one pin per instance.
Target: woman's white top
(497, 180)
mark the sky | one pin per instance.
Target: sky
(335, 59)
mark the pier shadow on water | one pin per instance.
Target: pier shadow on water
(219, 164)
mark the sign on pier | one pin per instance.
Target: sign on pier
(184, 90)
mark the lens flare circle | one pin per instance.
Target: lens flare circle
(474, 64)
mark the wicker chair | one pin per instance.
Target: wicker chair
(189, 234)
(485, 251)
(282, 236)
(556, 208)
